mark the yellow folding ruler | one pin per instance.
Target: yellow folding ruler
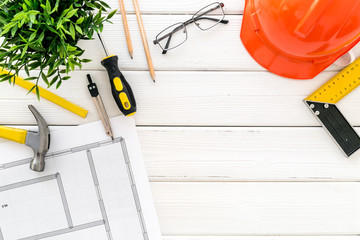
(322, 105)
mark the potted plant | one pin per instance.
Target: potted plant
(43, 35)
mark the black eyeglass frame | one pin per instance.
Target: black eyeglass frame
(183, 25)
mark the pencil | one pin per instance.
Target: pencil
(126, 27)
(144, 40)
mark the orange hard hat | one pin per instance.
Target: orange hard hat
(299, 38)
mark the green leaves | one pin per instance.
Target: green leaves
(111, 14)
(24, 50)
(71, 13)
(32, 36)
(79, 29)
(43, 35)
(48, 6)
(80, 20)
(72, 30)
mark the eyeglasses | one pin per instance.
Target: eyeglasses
(176, 34)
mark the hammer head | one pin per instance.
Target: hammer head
(39, 141)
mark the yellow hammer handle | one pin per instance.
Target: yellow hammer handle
(13, 134)
(50, 96)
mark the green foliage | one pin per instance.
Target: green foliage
(43, 34)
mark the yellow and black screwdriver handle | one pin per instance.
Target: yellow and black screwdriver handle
(120, 88)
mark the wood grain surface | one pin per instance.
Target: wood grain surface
(245, 154)
(231, 150)
(258, 208)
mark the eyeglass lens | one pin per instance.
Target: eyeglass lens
(172, 36)
(209, 16)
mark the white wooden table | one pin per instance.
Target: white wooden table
(231, 150)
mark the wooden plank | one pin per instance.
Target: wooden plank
(261, 237)
(185, 98)
(245, 154)
(219, 48)
(203, 50)
(231, 209)
(177, 7)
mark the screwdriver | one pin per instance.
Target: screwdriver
(120, 88)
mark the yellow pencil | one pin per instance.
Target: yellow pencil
(126, 27)
(144, 40)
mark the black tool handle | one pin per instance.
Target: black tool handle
(337, 126)
(120, 88)
(94, 92)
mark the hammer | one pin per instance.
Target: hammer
(39, 141)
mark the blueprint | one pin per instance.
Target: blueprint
(92, 188)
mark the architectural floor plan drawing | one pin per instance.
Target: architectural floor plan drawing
(89, 190)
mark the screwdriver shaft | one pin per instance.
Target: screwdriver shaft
(103, 44)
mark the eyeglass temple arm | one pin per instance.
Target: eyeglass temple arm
(213, 19)
(167, 44)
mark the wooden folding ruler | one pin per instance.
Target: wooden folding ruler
(322, 105)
